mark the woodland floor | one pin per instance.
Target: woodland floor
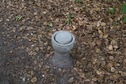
(26, 27)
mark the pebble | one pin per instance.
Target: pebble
(98, 42)
(111, 57)
(44, 12)
(114, 43)
(117, 64)
(103, 24)
(102, 58)
(112, 69)
(124, 60)
(1, 19)
(30, 28)
(71, 79)
(94, 79)
(34, 79)
(94, 61)
(23, 79)
(7, 20)
(110, 47)
(35, 13)
(123, 73)
(43, 75)
(31, 72)
(98, 50)
(110, 65)
(105, 36)
(101, 73)
(81, 75)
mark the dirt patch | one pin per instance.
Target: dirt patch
(26, 27)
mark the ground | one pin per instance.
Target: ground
(26, 27)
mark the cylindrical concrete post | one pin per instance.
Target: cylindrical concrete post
(62, 42)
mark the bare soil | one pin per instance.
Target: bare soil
(26, 27)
